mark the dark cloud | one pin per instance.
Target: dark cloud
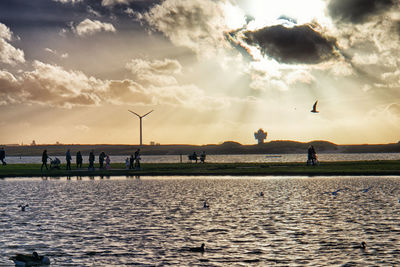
(22, 14)
(357, 11)
(231, 37)
(299, 44)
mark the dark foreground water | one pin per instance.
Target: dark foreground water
(153, 221)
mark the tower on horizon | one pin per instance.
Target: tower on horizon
(260, 136)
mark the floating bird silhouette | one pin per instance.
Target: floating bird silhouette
(30, 260)
(365, 190)
(361, 246)
(334, 193)
(198, 249)
(23, 207)
(314, 108)
(205, 205)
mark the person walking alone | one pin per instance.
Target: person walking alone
(108, 162)
(131, 161)
(68, 158)
(102, 156)
(137, 159)
(91, 161)
(44, 160)
(3, 156)
(79, 160)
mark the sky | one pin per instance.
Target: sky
(212, 71)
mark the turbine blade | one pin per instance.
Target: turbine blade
(134, 113)
(147, 113)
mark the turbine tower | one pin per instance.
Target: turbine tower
(140, 118)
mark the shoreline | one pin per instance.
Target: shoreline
(344, 168)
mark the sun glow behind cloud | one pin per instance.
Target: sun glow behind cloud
(214, 69)
(268, 12)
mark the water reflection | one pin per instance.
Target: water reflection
(133, 177)
(154, 221)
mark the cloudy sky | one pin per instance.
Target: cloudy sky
(212, 70)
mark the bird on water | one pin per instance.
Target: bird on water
(30, 260)
(23, 206)
(362, 246)
(198, 249)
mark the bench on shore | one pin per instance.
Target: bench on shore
(194, 157)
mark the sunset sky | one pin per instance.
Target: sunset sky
(212, 70)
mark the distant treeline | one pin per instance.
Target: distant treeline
(229, 147)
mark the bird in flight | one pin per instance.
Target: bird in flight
(314, 108)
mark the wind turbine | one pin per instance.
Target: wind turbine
(140, 118)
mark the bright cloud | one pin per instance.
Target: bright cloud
(90, 27)
(53, 85)
(158, 72)
(8, 53)
(200, 25)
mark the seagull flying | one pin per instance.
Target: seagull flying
(314, 108)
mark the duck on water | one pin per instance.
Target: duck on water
(30, 260)
(198, 249)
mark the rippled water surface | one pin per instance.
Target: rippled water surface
(153, 221)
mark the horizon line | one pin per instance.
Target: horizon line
(175, 144)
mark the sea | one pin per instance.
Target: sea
(259, 158)
(154, 221)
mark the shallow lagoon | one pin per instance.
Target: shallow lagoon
(153, 220)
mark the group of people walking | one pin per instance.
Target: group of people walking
(104, 161)
(133, 162)
(312, 158)
(195, 158)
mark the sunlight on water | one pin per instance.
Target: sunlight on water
(153, 221)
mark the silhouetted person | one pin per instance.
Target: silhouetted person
(131, 161)
(137, 159)
(311, 156)
(68, 158)
(79, 160)
(203, 157)
(194, 156)
(3, 156)
(102, 156)
(91, 161)
(127, 163)
(108, 161)
(44, 160)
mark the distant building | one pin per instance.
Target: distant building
(260, 136)
(152, 143)
(33, 143)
